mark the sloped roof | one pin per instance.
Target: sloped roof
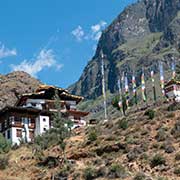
(43, 87)
(43, 90)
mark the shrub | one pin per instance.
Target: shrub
(117, 171)
(140, 176)
(4, 161)
(176, 130)
(161, 135)
(170, 115)
(123, 124)
(157, 160)
(169, 148)
(177, 171)
(177, 156)
(5, 145)
(150, 113)
(62, 174)
(89, 173)
(162, 178)
(130, 139)
(173, 107)
(92, 136)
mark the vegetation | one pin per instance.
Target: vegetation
(161, 134)
(55, 135)
(5, 145)
(140, 176)
(89, 173)
(123, 124)
(150, 113)
(157, 160)
(177, 171)
(177, 156)
(176, 130)
(92, 135)
(115, 103)
(4, 161)
(117, 171)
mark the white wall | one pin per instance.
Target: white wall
(14, 138)
(42, 123)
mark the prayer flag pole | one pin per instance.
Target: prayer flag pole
(153, 85)
(103, 86)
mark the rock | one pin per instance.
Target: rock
(15, 84)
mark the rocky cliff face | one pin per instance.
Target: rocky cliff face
(13, 85)
(142, 35)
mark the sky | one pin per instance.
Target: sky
(53, 40)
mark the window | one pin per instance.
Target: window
(18, 133)
(44, 119)
(29, 121)
(9, 134)
(5, 124)
(44, 129)
(31, 134)
(11, 118)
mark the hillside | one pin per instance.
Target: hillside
(13, 85)
(142, 35)
(139, 146)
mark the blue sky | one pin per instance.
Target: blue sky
(53, 39)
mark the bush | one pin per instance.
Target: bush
(140, 176)
(177, 171)
(157, 160)
(161, 135)
(173, 107)
(89, 173)
(170, 115)
(92, 136)
(176, 130)
(4, 161)
(117, 171)
(150, 113)
(123, 124)
(177, 156)
(62, 174)
(5, 145)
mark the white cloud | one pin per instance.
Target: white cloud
(5, 52)
(98, 27)
(78, 33)
(96, 30)
(93, 34)
(45, 59)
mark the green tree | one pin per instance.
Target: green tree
(60, 124)
(58, 133)
(5, 145)
(115, 102)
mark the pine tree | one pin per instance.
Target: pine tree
(60, 128)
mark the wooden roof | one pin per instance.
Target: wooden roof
(75, 112)
(44, 87)
(47, 92)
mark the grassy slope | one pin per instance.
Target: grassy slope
(131, 148)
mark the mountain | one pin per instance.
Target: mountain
(13, 85)
(142, 35)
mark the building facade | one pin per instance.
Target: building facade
(32, 115)
(172, 90)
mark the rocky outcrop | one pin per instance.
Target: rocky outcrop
(13, 85)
